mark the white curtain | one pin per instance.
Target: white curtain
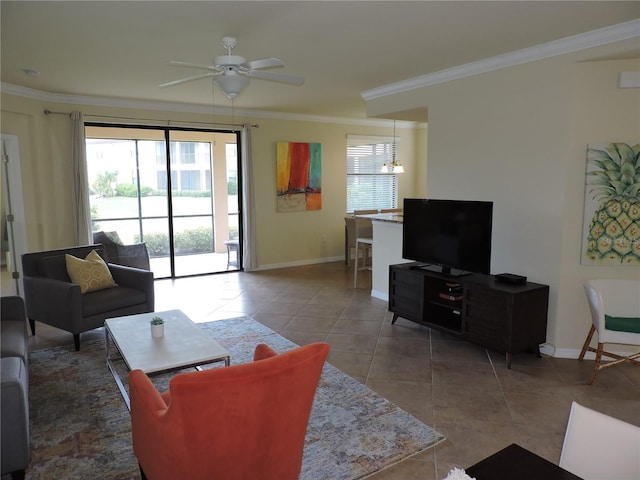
(80, 191)
(249, 250)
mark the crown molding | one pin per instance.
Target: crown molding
(81, 100)
(583, 41)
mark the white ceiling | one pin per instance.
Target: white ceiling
(122, 49)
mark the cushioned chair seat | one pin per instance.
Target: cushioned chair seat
(110, 299)
(622, 324)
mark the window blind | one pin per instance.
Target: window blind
(367, 187)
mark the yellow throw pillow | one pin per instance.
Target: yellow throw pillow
(91, 273)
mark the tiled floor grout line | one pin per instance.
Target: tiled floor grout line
(504, 397)
(433, 403)
(375, 349)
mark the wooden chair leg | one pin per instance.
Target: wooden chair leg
(596, 367)
(585, 347)
(355, 273)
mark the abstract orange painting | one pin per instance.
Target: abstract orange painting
(299, 171)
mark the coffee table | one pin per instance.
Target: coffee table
(515, 462)
(184, 345)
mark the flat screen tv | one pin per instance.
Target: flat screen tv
(448, 236)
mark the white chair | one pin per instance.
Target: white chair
(364, 240)
(615, 315)
(350, 233)
(599, 447)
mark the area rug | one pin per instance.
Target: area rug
(80, 426)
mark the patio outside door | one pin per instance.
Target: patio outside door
(182, 201)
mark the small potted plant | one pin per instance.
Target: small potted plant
(157, 327)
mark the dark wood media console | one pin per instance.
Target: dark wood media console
(499, 316)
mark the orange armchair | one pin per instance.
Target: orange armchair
(242, 422)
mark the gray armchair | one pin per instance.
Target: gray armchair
(134, 255)
(51, 298)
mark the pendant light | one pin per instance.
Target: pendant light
(394, 167)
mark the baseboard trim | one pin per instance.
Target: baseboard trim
(299, 263)
(573, 353)
(380, 295)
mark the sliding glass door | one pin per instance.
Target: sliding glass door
(174, 189)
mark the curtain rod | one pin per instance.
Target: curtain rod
(49, 112)
(254, 125)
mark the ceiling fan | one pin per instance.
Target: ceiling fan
(231, 72)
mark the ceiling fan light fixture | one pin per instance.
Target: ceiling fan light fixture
(224, 60)
(231, 83)
(227, 69)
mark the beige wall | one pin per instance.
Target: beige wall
(283, 238)
(518, 137)
(602, 113)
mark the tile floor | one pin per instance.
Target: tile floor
(463, 391)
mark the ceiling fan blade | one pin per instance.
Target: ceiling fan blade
(189, 79)
(263, 63)
(192, 65)
(276, 77)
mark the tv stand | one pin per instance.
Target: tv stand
(451, 272)
(499, 316)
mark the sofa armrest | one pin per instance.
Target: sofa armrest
(59, 302)
(13, 330)
(14, 413)
(135, 278)
(145, 393)
(149, 422)
(12, 308)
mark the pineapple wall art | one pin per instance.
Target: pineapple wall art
(612, 205)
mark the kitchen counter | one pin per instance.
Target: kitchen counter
(387, 250)
(384, 217)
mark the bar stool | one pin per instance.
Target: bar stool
(233, 246)
(364, 238)
(349, 238)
